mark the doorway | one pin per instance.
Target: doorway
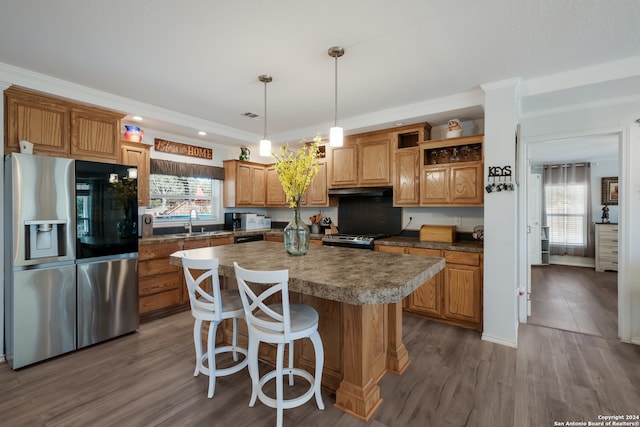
(570, 297)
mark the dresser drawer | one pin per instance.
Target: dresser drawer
(606, 247)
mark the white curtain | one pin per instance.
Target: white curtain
(567, 209)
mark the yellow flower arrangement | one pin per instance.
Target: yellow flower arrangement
(297, 170)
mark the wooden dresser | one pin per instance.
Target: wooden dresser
(606, 247)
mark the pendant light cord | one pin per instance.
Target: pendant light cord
(265, 110)
(336, 97)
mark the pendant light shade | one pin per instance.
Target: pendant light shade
(336, 137)
(265, 147)
(265, 143)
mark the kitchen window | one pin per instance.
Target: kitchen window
(173, 197)
(567, 209)
(175, 188)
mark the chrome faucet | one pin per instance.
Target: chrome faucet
(193, 214)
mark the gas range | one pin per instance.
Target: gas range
(352, 240)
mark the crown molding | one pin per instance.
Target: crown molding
(58, 87)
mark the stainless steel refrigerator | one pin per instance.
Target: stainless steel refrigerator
(56, 302)
(106, 200)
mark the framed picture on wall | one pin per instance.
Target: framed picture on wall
(610, 190)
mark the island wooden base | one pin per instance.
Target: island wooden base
(361, 343)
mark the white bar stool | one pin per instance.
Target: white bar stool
(278, 324)
(212, 306)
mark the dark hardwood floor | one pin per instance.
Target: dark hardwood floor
(455, 379)
(577, 299)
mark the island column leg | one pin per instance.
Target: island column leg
(397, 355)
(363, 359)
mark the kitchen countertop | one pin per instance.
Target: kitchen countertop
(165, 238)
(414, 242)
(351, 276)
(462, 246)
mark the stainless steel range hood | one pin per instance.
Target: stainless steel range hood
(361, 191)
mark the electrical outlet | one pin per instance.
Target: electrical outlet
(458, 220)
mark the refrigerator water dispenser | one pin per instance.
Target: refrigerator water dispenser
(43, 239)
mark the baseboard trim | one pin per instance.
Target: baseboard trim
(501, 341)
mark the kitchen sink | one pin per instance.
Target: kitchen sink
(185, 234)
(200, 233)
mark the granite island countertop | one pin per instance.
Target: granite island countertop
(351, 276)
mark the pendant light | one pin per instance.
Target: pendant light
(265, 143)
(335, 133)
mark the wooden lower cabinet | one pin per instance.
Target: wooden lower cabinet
(428, 298)
(452, 296)
(162, 286)
(160, 282)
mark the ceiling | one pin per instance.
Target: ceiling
(579, 149)
(194, 65)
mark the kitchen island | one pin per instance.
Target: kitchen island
(358, 295)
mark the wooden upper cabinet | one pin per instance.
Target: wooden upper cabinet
(61, 128)
(435, 185)
(39, 119)
(275, 193)
(244, 183)
(344, 165)
(316, 194)
(406, 183)
(406, 179)
(375, 163)
(452, 172)
(467, 184)
(364, 160)
(259, 193)
(138, 155)
(95, 134)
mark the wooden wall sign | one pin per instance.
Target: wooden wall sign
(165, 146)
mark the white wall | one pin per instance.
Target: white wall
(465, 219)
(501, 249)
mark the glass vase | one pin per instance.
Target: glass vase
(296, 235)
(126, 227)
